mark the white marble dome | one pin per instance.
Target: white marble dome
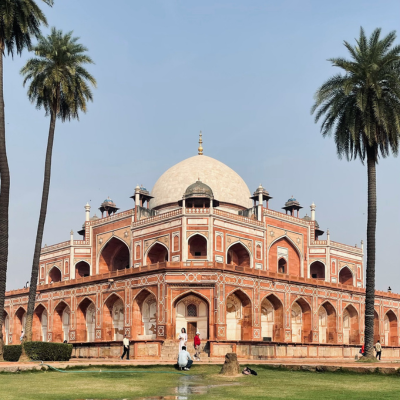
(226, 184)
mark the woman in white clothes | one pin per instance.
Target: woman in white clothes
(182, 338)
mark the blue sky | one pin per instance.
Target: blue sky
(243, 72)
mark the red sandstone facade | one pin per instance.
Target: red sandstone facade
(252, 280)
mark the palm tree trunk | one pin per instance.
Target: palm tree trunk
(39, 236)
(370, 280)
(4, 202)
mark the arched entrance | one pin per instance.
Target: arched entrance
(238, 316)
(82, 269)
(61, 322)
(114, 256)
(301, 321)
(197, 247)
(317, 270)
(54, 275)
(191, 313)
(346, 276)
(327, 323)
(39, 324)
(19, 324)
(157, 253)
(350, 326)
(239, 255)
(144, 318)
(272, 318)
(113, 318)
(86, 318)
(390, 323)
(284, 249)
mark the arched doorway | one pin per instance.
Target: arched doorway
(238, 316)
(197, 247)
(19, 324)
(285, 250)
(6, 327)
(39, 324)
(144, 319)
(114, 256)
(345, 276)
(317, 270)
(82, 269)
(113, 318)
(301, 321)
(272, 318)
(238, 255)
(327, 323)
(54, 275)
(350, 326)
(157, 253)
(61, 322)
(191, 313)
(376, 327)
(390, 323)
(86, 319)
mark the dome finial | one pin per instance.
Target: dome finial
(200, 149)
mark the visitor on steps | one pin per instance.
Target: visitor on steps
(125, 343)
(184, 359)
(197, 343)
(182, 339)
(378, 348)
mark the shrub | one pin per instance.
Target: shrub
(12, 352)
(48, 351)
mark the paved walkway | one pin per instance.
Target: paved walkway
(392, 366)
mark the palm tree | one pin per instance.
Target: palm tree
(361, 107)
(60, 84)
(20, 21)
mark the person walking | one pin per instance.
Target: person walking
(184, 359)
(378, 348)
(197, 343)
(182, 339)
(125, 343)
(22, 336)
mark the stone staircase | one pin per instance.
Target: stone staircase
(170, 350)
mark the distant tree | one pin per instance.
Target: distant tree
(20, 21)
(60, 84)
(361, 108)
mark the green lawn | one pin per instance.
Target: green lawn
(203, 380)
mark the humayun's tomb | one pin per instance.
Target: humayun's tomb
(200, 251)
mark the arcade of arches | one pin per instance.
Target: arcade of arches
(191, 311)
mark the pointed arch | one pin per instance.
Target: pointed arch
(82, 269)
(301, 320)
(390, 328)
(284, 247)
(191, 311)
(61, 321)
(351, 329)
(238, 316)
(113, 294)
(238, 254)
(158, 252)
(317, 270)
(114, 255)
(197, 245)
(86, 318)
(40, 323)
(346, 276)
(327, 323)
(19, 323)
(113, 317)
(54, 275)
(144, 315)
(272, 325)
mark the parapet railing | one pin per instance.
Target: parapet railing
(206, 266)
(286, 216)
(113, 217)
(197, 211)
(237, 217)
(158, 217)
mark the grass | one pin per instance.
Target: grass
(269, 384)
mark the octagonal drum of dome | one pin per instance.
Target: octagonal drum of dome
(226, 184)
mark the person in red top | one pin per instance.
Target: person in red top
(197, 343)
